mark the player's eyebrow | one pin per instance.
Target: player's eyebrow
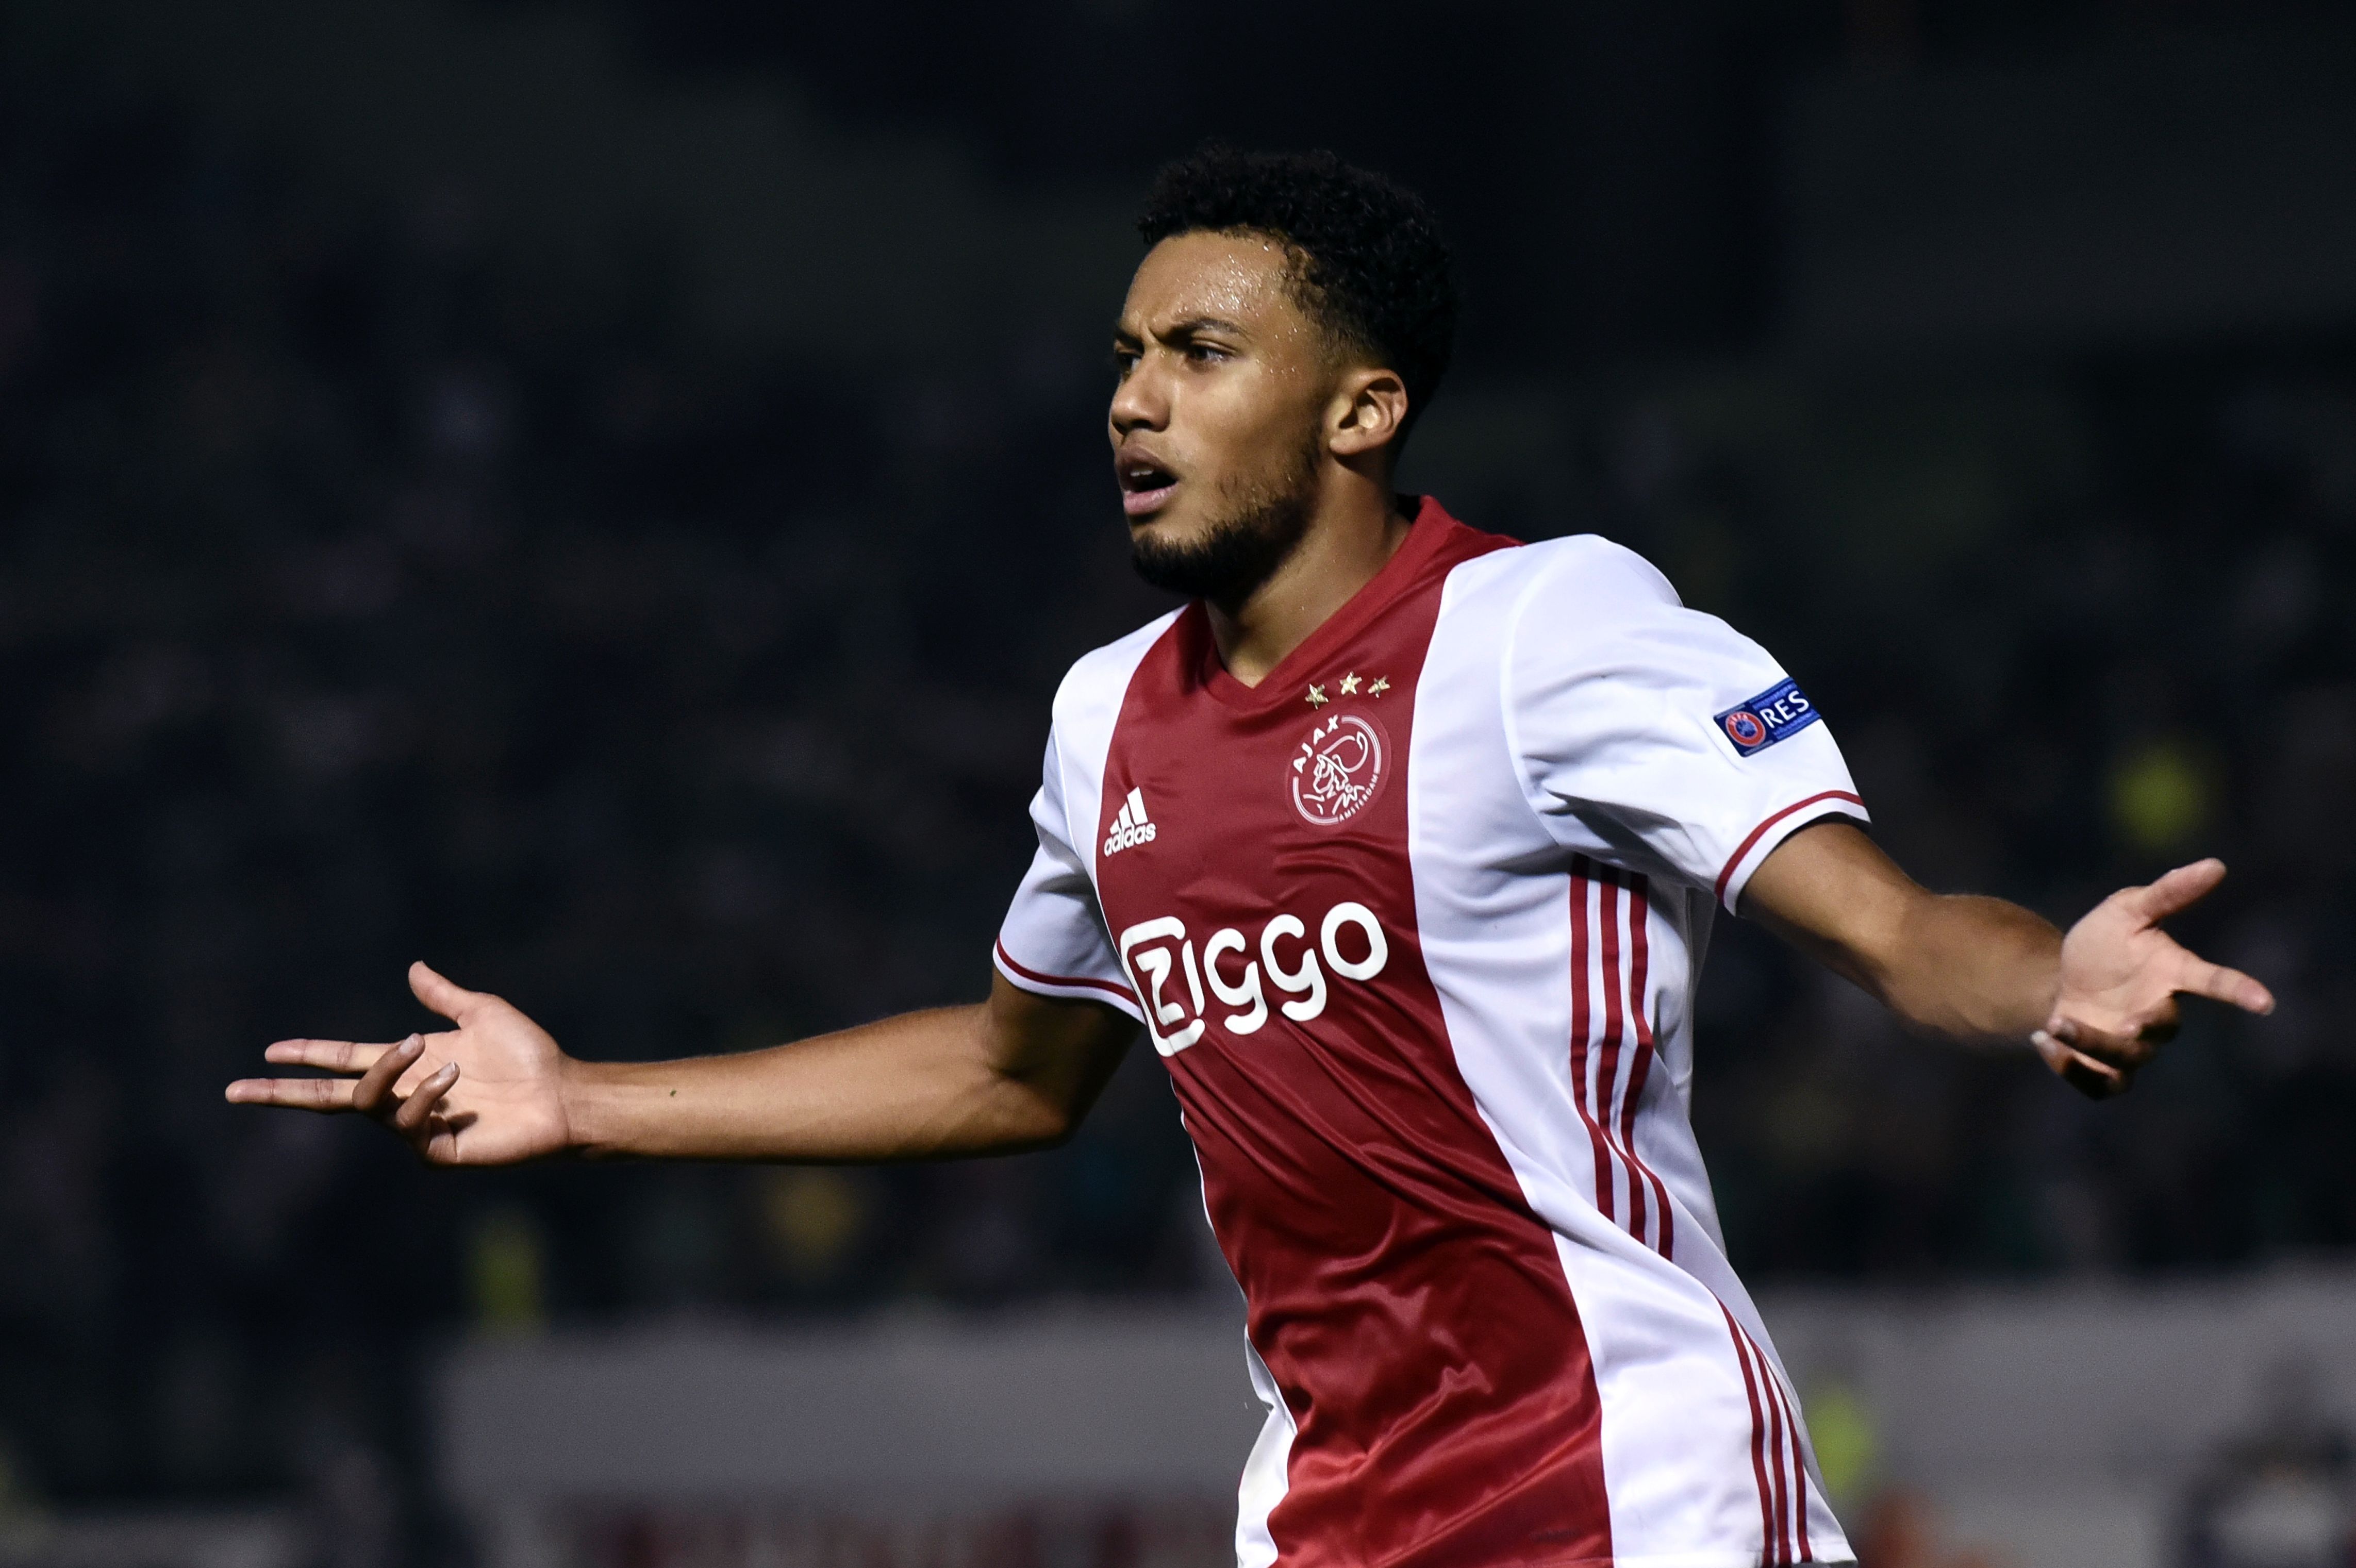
(1177, 331)
(1194, 324)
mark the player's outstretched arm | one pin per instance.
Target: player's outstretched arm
(1016, 1072)
(2095, 1003)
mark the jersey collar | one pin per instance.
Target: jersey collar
(1430, 532)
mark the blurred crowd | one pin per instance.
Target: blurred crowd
(359, 604)
(356, 611)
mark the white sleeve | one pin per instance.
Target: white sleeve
(1657, 731)
(1054, 940)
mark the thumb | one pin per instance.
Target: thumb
(451, 1001)
(2179, 889)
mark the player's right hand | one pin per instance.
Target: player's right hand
(489, 1091)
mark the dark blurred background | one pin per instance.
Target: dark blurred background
(598, 496)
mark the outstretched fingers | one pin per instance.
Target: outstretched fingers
(292, 1093)
(335, 1055)
(392, 1084)
(2198, 978)
(380, 1068)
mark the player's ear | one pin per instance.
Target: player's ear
(1369, 411)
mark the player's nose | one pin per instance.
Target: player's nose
(1139, 403)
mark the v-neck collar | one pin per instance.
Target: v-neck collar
(1428, 534)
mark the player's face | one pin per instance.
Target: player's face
(1223, 381)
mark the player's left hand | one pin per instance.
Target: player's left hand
(2120, 977)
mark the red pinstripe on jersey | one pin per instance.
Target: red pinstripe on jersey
(1774, 1443)
(1606, 1105)
(1769, 1536)
(1606, 1072)
(1583, 893)
(1640, 918)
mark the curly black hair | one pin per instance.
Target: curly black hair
(1370, 263)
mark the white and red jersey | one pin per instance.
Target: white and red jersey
(1415, 924)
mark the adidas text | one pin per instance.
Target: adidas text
(1131, 827)
(1129, 838)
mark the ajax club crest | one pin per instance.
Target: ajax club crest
(1337, 770)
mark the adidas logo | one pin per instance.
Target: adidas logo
(1131, 827)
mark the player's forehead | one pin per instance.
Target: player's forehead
(1204, 276)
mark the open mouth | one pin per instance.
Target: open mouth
(1145, 485)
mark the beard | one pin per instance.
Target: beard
(1228, 562)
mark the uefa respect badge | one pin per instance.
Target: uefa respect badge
(1780, 710)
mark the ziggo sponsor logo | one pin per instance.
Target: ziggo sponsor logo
(1152, 950)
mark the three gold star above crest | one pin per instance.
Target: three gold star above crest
(1348, 687)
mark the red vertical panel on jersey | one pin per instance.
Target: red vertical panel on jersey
(1409, 1305)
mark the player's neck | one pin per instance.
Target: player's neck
(1357, 528)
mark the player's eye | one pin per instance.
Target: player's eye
(1124, 361)
(1204, 353)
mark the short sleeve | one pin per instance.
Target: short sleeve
(1640, 725)
(1054, 940)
